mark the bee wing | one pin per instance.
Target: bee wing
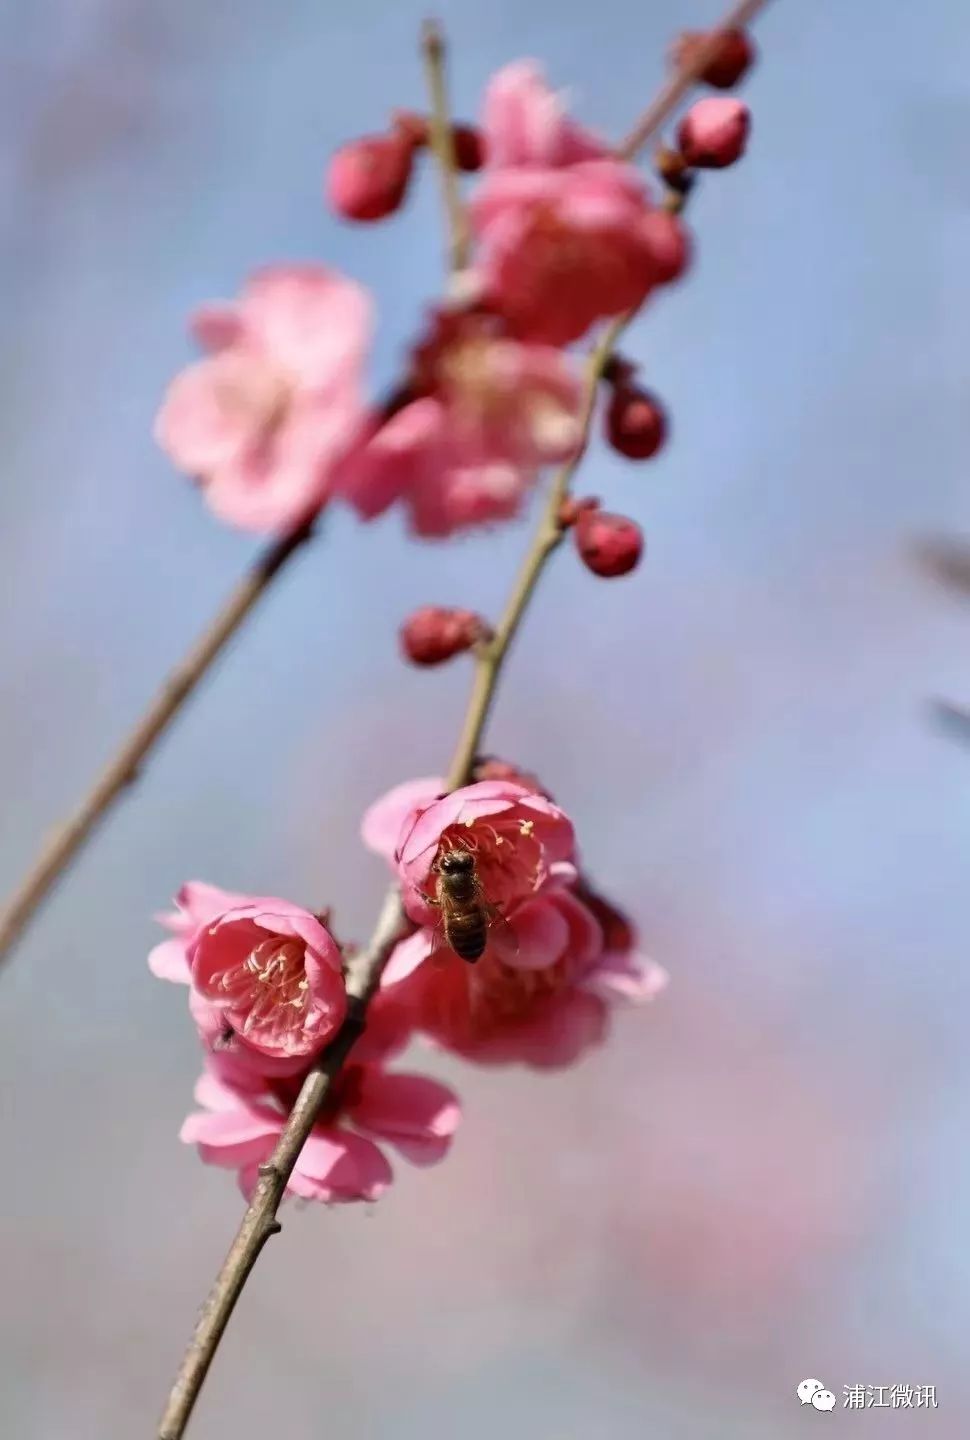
(499, 929)
(440, 949)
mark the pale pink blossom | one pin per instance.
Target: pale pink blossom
(521, 841)
(561, 248)
(543, 1006)
(479, 415)
(240, 1122)
(195, 905)
(275, 973)
(264, 420)
(524, 122)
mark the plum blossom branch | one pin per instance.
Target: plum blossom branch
(549, 535)
(260, 1218)
(686, 75)
(123, 769)
(491, 653)
(259, 1222)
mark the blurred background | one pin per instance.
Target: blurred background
(763, 1177)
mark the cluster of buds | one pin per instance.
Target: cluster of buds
(714, 132)
(368, 178)
(435, 633)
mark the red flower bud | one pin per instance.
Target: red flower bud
(608, 544)
(469, 149)
(733, 58)
(368, 178)
(714, 133)
(636, 423)
(434, 633)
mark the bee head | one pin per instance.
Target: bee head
(456, 862)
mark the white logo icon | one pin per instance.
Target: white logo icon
(809, 1388)
(813, 1392)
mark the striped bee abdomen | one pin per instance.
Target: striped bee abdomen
(467, 932)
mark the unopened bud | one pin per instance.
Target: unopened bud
(435, 633)
(608, 545)
(368, 178)
(733, 58)
(636, 423)
(672, 167)
(714, 133)
(469, 148)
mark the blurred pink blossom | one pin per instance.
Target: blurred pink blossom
(560, 248)
(240, 1123)
(275, 974)
(265, 418)
(480, 413)
(524, 122)
(543, 1006)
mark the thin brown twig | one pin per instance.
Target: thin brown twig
(124, 767)
(259, 1221)
(443, 145)
(548, 536)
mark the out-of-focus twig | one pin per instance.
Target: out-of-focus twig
(124, 767)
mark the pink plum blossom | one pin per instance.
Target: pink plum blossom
(195, 905)
(479, 415)
(561, 248)
(543, 1006)
(275, 974)
(524, 122)
(521, 841)
(240, 1122)
(263, 421)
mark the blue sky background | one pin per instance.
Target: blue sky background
(766, 1176)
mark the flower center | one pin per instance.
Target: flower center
(507, 856)
(257, 394)
(269, 987)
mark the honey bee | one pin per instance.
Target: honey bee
(467, 916)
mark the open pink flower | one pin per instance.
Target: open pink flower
(481, 413)
(264, 420)
(524, 122)
(560, 248)
(240, 1123)
(275, 973)
(195, 905)
(521, 841)
(542, 1007)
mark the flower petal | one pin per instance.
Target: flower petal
(382, 823)
(417, 1115)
